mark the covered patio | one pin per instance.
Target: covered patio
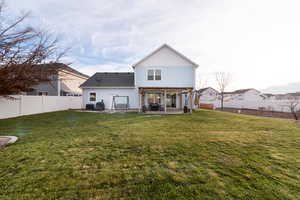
(165, 100)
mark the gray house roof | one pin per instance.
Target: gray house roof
(203, 89)
(241, 91)
(110, 79)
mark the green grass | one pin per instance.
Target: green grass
(206, 155)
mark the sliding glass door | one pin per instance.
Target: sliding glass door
(154, 98)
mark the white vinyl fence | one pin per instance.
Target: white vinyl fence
(21, 105)
(270, 105)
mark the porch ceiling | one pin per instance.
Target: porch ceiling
(162, 89)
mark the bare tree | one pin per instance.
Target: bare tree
(223, 80)
(22, 48)
(201, 84)
(293, 105)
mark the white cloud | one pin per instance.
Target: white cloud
(258, 40)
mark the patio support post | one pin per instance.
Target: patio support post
(165, 99)
(180, 100)
(176, 101)
(191, 102)
(143, 99)
(140, 101)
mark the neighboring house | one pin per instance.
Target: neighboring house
(243, 94)
(268, 96)
(64, 82)
(249, 99)
(287, 96)
(208, 94)
(162, 80)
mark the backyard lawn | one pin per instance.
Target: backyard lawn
(206, 155)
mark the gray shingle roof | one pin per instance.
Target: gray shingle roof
(241, 91)
(203, 89)
(110, 79)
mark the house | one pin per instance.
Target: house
(208, 94)
(65, 81)
(268, 96)
(163, 80)
(287, 96)
(249, 94)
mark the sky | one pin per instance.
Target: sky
(257, 41)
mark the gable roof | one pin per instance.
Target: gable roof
(204, 89)
(241, 91)
(61, 66)
(161, 47)
(267, 95)
(110, 79)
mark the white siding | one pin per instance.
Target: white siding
(251, 95)
(171, 76)
(176, 71)
(107, 95)
(165, 57)
(209, 95)
(70, 82)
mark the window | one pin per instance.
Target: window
(154, 74)
(150, 74)
(92, 96)
(158, 74)
(43, 93)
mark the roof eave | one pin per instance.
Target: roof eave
(175, 51)
(103, 87)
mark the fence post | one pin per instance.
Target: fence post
(20, 105)
(43, 103)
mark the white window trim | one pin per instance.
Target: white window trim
(154, 73)
(90, 97)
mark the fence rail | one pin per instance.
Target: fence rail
(21, 105)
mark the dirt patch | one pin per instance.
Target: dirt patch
(230, 161)
(172, 165)
(211, 173)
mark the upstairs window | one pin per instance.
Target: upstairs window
(93, 96)
(150, 75)
(154, 74)
(158, 74)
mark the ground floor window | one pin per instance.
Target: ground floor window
(93, 96)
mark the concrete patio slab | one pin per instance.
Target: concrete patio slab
(4, 140)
